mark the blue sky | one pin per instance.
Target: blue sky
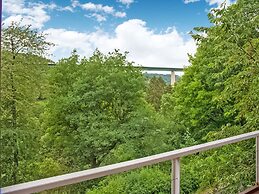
(159, 14)
(155, 32)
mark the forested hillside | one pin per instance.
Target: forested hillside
(84, 113)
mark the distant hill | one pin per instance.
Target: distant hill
(166, 77)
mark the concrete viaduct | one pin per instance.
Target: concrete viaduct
(171, 69)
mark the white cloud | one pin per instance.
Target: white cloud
(219, 2)
(190, 1)
(213, 2)
(97, 8)
(51, 6)
(75, 3)
(120, 14)
(99, 12)
(66, 8)
(26, 20)
(13, 6)
(35, 14)
(66, 41)
(126, 2)
(146, 47)
(98, 17)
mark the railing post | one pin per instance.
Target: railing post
(175, 185)
(257, 159)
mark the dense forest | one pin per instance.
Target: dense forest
(83, 113)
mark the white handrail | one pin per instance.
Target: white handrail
(76, 177)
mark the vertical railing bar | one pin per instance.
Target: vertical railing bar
(257, 159)
(175, 184)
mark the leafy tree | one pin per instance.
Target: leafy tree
(218, 95)
(22, 72)
(156, 88)
(221, 58)
(91, 101)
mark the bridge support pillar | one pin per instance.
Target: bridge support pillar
(173, 80)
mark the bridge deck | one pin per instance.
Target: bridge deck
(146, 68)
(161, 68)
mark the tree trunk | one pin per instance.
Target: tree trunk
(93, 162)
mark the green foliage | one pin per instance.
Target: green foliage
(22, 82)
(144, 181)
(146, 135)
(218, 96)
(223, 72)
(156, 88)
(92, 104)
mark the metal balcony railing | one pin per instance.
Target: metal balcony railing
(174, 156)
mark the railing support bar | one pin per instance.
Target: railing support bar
(257, 160)
(76, 177)
(175, 185)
